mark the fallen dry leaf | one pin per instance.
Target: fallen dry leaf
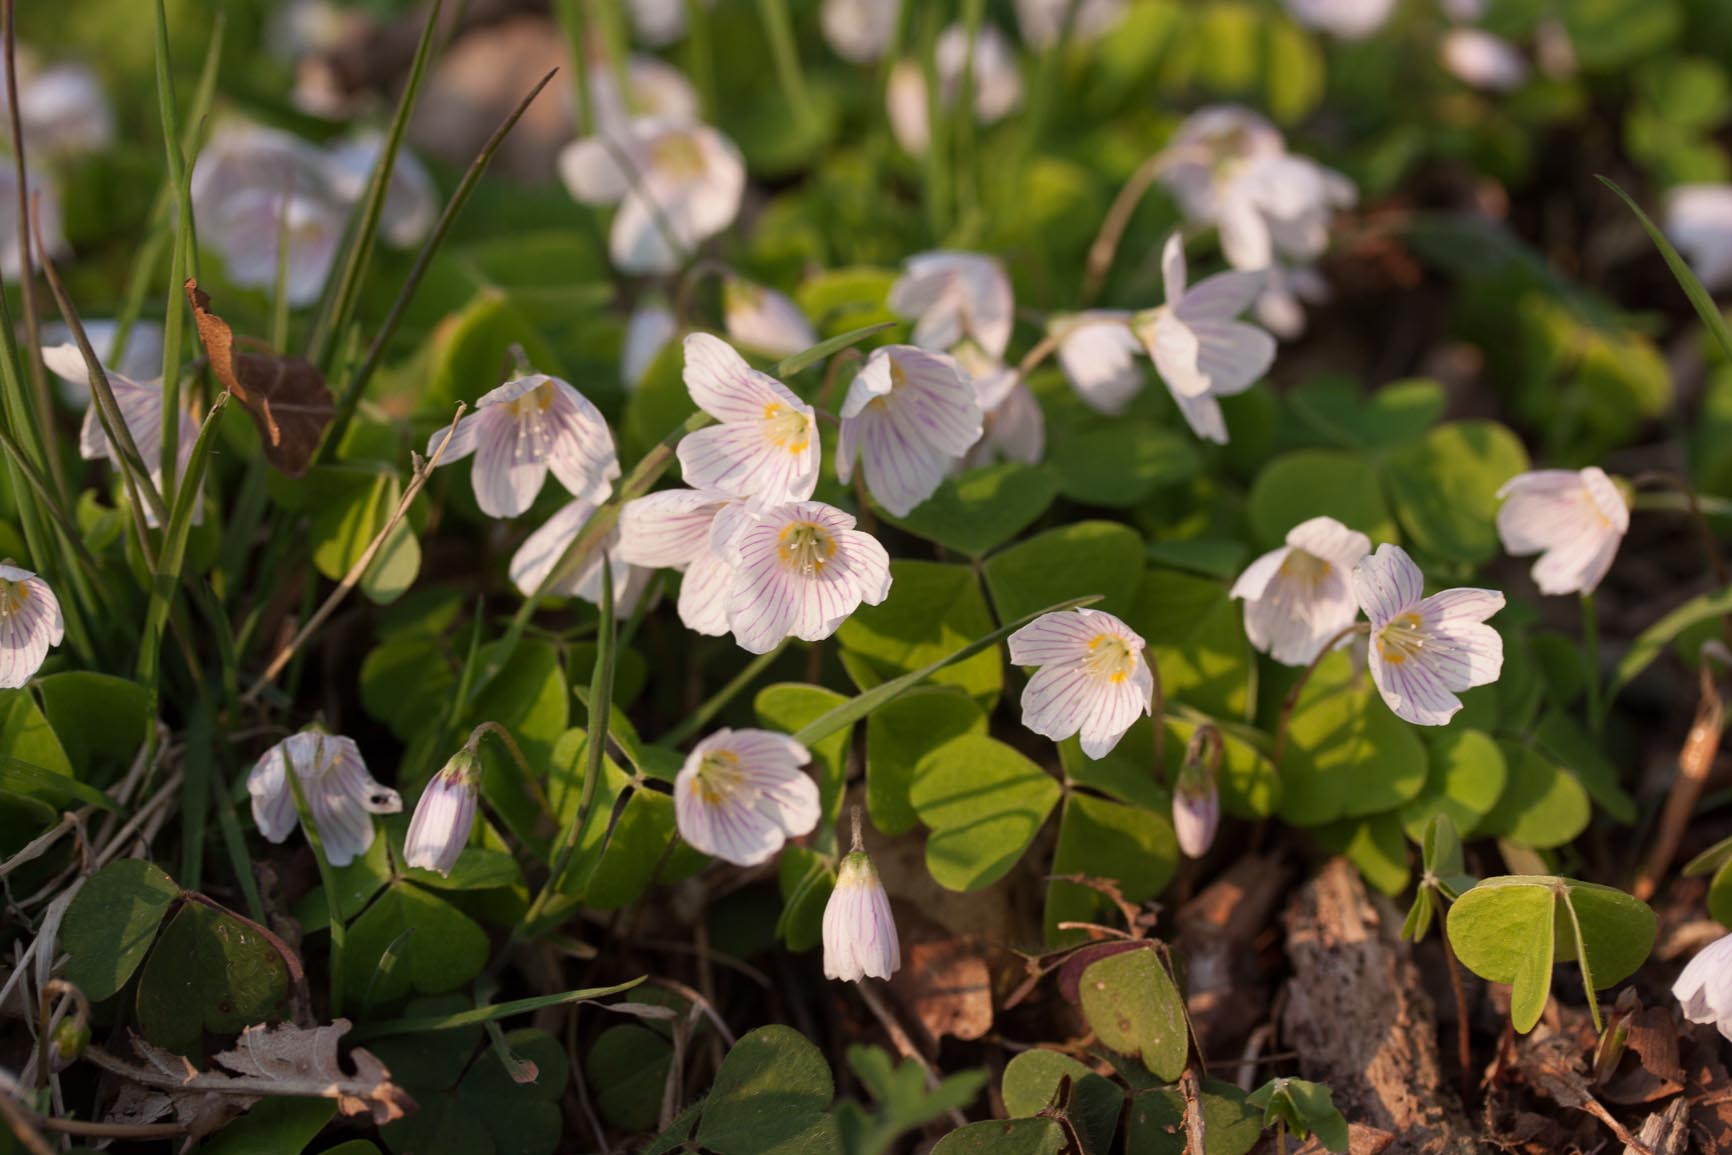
(287, 1054)
(948, 986)
(287, 396)
(202, 1112)
(301, 1062)
(1649, 1069)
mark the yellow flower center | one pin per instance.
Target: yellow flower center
(13, 595)
(787, 428)
(1305, 568)
(718, 777)
(676, 154)
(806, 548)
(534, 437)
(1401, 639)
(1110, 657)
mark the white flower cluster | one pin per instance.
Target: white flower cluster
(256, 190)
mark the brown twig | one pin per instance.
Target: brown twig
(900, 1040)
(421, 472)
(1695, 761)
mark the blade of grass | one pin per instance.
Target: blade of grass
(700, 717)
(29, 778)
(861, 705)
(421, 1024)
(37, 373)
(120, 440)
(823, 349)
(339, 304)
(183, 257)
(328, 879)
(138, 277)
(1687, 280)
(595, 746)
(166, 578)
(351, 396)
(779, 31)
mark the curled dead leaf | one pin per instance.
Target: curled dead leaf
(301, 1062)
(289, 1055)
(287, 396)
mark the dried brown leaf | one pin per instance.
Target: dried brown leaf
(1650, 1068)
(948, 986)
(202, 1112)
(287, 396)
(289, 1055)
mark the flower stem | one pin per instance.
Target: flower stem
(699, 717)
(779, 30)
(1118, 219)
(1292, 700)
(1591, 657)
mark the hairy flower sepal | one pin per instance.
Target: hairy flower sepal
(860, 938)
(445, 815)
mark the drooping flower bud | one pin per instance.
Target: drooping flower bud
(445, 815)
(1196, 801)
(859, 930)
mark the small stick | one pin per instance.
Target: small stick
(422, 471)
(900, 1040)
(1695, 761)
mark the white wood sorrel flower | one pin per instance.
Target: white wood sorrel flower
(765, 447)
(673, 529)
(678, 184)
(742, 794)
(951, 296)
(1098, 352)
(1575, 520)
(341, 796)
(525, 428)
(445, 815)
(910, 415)
(1425, 650)
(1299, 596)
(140, 405)
(1198, 348)
(798, 570)
(30, 623)
(1705, 987)
(765, 321)
(1092, 680)
(860, 939)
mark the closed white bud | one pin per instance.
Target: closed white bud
(445, 815)
(859, 931)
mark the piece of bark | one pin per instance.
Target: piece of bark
(1665, 1132)
(1360, 1020)
(1226, 981)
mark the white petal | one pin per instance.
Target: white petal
(1387, 584)
(670, 528)
(703, 602)
(1255, 580)
(1328, 539)
(647, 332)
(1231, 356)
(1175, 350)
(1173, 270)
(1099, 358)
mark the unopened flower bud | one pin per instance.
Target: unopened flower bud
(1196, 801)
(445, 815)
(859, 931)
